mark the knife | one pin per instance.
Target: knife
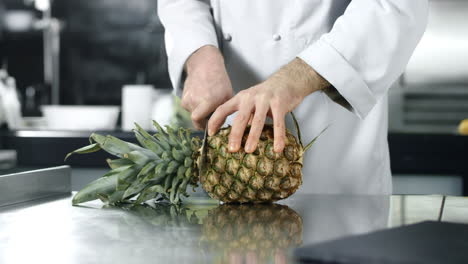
(203, 152)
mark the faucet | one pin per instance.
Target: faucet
(51, 28)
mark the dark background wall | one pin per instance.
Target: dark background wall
(105, 44)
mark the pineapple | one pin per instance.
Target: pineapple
(258, 231)
(166, 163)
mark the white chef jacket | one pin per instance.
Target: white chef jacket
(361, 47)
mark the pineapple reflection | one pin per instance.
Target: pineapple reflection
(260, 233)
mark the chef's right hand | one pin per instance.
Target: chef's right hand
(207, 85)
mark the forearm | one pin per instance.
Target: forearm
(300, 78)
(207, 59)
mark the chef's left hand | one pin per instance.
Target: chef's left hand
(275, 97)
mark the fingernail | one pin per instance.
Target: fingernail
(277, 147)
(232, 147)
(248, 148)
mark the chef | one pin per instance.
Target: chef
(331, 61)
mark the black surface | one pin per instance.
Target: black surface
(44, 150)
(443, 154)
(425, 243)
(428, 153)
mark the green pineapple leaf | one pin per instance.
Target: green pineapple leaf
(86, 149)
(101, 186)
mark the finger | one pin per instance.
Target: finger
(250, 120)
(185, 101)
(279, 129)
(258, 121)
(251, 258)
(201, 112)
(219, 116)
(235, 258)
(238, 128)
(280, 257)
(198, 125)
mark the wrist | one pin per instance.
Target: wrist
(316, 81)
(311, 80)
(301, 78)
(205, 58)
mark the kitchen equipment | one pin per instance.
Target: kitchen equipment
(34, 97)
(432, 96)
(32, 185)
(202, 160)
(10, 107)
(51, 28)
(143, 103)
(61, 117)
(19, 20)
(137, 106)
(8, 159)
(163, 106)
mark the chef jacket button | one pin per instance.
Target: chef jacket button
(227, 37)
(276, 37)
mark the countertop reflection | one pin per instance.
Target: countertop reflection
(201, 231)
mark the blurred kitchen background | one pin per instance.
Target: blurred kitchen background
(108, 54)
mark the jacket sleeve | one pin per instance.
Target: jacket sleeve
(188, 26)
(367, 49)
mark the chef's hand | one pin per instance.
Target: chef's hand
(207, 84)
(275, 97)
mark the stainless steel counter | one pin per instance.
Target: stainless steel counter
(34, 184)
(53, 231)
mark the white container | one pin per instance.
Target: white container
(137, 106)
(63, 117)
(19, 20)
(163, 107)
(9, 103)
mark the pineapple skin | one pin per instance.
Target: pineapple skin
(259, 177)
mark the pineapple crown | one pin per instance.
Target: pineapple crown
(162, 167)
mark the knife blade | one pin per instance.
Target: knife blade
(203, 152)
